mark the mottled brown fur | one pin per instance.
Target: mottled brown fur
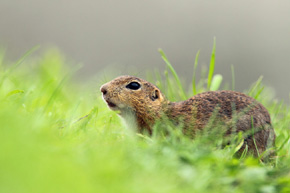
(236, 110)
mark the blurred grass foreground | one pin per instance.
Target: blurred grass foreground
(46, 147)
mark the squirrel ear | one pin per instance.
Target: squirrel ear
(155, 95)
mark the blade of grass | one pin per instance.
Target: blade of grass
(17, 91)
(233, 77)
(173, 72)
(169, 91)
(158, 80)
(212, 64)
(57, 90)
(194, 73)
(216, 82)
(258, 82)
(283, 144)
(253, 133)
(20, 61)
(259, 92)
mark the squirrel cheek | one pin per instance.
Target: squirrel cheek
(122, 105)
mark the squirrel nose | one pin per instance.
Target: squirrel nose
(104, 90)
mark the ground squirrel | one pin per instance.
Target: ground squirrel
(142, 103)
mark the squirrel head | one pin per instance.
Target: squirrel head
(132, 94)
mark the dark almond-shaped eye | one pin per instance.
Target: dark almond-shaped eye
(133, 85)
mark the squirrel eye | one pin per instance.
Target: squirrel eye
(133, 85)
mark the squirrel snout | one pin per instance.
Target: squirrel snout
(104, 89)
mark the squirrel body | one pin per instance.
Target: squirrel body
(137, 98)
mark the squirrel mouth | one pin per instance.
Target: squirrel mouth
(110, 104)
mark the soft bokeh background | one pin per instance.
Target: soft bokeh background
(254, 36)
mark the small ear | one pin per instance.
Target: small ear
(155, 95)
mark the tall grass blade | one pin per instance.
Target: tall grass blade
(233, 77)
(57, 90)
(159, 80)
(183, 95)
(194, 73)
(259, 92)
(212, 65)
(287, 139)
(216, 82)
(258, 82)
(20, 61)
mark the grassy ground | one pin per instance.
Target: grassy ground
(43, 148)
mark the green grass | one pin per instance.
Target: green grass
(44, 147)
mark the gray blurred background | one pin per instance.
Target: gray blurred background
(254, 36)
